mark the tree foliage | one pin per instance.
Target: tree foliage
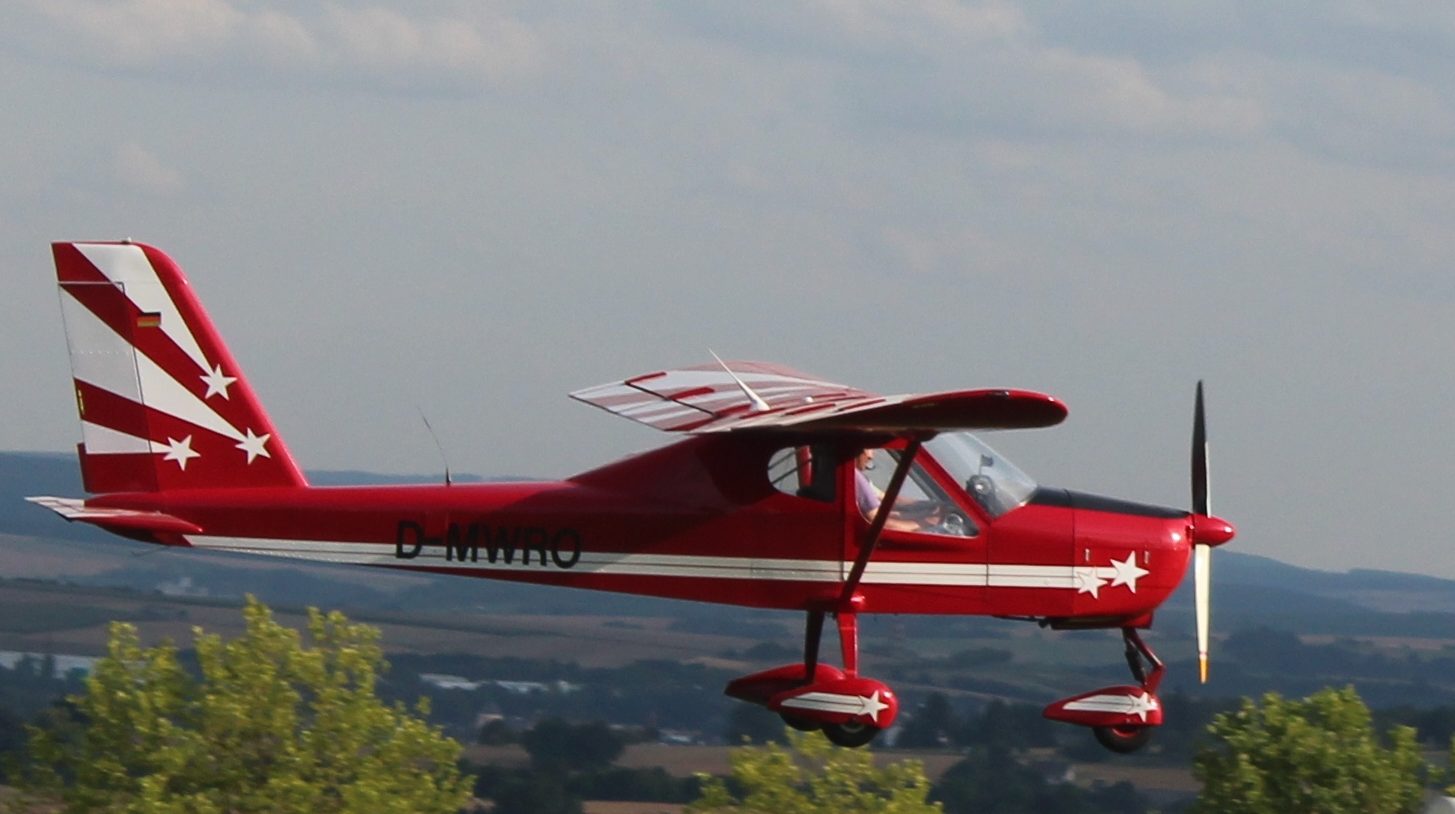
(810, 775)
(533, 792)
(750, 723)
(1316, 754)
(555, 745)
(273, 724)
(930, 726)
(993, 780)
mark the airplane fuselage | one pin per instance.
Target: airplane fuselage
(722, 535)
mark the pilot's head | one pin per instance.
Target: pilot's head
(865, 459)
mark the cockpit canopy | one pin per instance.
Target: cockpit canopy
(952, 470)
(987, 477)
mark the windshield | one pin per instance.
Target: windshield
(993, 481)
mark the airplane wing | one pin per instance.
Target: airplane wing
(760, 396)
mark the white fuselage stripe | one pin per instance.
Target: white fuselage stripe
(659, 565)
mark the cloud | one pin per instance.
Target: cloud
(380, 39)
(955, 69)
(391, 49)
(137, 167)
(136, 32)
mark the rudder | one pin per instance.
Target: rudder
(163, 404)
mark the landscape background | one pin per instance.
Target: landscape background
(494, 651)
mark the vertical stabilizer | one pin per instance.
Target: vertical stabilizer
(163, 404)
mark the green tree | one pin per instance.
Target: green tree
(496, 733)
(994, 780)
(1316, 754)
(557, 746)
(810, 775)
(750, 723)
(533, 792)
(273, 724)
(930, 725)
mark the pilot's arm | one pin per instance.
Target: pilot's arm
(869, 497)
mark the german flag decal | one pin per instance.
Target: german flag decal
(149, 319)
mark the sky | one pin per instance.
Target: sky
(467, 210)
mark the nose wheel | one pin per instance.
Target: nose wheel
(1123, 740)
(1120, 717)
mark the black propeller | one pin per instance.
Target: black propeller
(1202, 552)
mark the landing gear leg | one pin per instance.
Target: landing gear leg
(854, 733)
(849, 708)
(849, 641)
(812, 637)
(1137, 651)
(1128, 738)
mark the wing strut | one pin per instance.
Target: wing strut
(881, 516)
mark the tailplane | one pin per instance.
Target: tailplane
(163, 404)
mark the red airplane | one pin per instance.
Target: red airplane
(770, 500)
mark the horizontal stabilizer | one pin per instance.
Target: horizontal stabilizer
(116, 519)
(718, 398)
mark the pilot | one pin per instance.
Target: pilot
(869, 496)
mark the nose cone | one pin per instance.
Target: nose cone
(1212, 531)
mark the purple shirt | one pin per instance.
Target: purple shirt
(865, 493)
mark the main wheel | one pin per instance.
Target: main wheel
(851, 735)
(1123, 739)
(801, 724)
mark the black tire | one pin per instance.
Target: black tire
(801, 724)
(1123, 739)
(850, 735)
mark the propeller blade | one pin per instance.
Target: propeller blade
(1202, 552)
(1200, 499)
(1201, 583)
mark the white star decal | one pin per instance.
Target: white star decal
(180, 451)
(253, 445)
(1128, 572)
(1089, 582)
(1142, 704)
(217, 383)
(872, 706)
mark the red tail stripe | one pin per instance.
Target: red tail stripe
(73, 267)
(106, 409)
(242, 408)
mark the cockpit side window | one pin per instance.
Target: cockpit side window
(922, 506)
(805, 471)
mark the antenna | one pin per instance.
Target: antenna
(758, 403)
(443, 459)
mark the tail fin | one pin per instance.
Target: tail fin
(163, 404)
